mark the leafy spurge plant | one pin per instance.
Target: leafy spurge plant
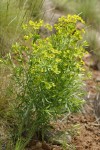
(47, 71)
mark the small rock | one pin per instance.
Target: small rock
(38, 145)
(55, 147)
(98, 79)
(61, 137)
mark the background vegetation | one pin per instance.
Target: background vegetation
(12, 15)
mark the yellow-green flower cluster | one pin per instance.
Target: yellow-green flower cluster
(36, 25)
(48, 26)
(53, 56)
(29, 36)
(67, 25)
(74, 18)
(46, 60)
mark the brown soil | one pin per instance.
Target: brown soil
(87, 137)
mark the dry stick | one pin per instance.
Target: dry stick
(12, 21)
(53, 14)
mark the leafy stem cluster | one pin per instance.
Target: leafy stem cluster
(47, 72)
